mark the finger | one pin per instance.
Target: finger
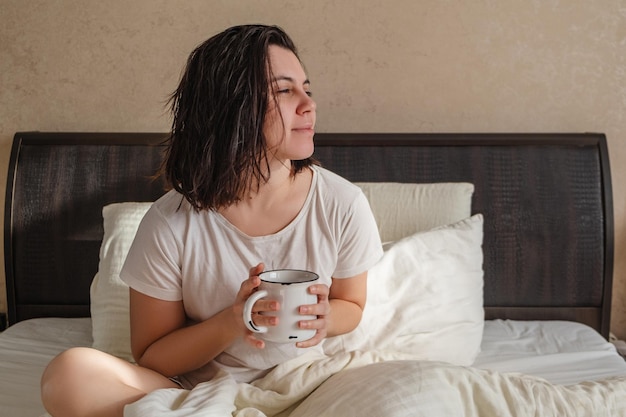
(248, 285)
(319, 309)
(256, 270)
(315, 340)
(253, 341)
(317, 324)
(253, 280)
(260, 320)
(319, 290)
(263, 305)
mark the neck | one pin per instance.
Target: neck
(278, 184)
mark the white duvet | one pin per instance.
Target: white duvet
(385, 384)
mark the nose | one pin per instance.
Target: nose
(307, 104)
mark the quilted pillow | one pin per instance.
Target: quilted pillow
(109, 295)
(403, 209)
(425, 297)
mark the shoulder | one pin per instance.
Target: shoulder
(329, 181)
(172, 211)
(338, 195)
(170, 203)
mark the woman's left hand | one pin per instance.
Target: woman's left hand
(321, 310)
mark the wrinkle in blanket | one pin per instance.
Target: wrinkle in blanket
(385, 384)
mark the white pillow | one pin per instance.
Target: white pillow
(403, 209)
(425, 297)
(109, 295)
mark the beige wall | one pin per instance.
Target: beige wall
(394, 65)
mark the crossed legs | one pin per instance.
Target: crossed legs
(87, 382)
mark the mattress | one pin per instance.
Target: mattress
(561, 352)
(25, 349)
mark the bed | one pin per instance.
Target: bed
(503, 307)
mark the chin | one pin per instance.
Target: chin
(303, 151)
(307, 153)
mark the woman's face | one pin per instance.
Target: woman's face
(290, 120)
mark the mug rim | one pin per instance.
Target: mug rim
(314, 276)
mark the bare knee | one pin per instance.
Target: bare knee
(62, 372)
(85, 381)
(65, 366)
(61, 365)
(70, 378)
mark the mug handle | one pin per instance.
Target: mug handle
(247, 312)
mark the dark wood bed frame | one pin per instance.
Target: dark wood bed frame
(546, 198)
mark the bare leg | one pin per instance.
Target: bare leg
(87, 382)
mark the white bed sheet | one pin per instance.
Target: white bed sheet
(25, 350)
(561, 352)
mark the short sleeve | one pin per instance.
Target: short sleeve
(152, 266)
(359, 244)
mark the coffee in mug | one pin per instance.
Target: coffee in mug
(290, 288)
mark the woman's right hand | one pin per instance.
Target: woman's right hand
(248, 287)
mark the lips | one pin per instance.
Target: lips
(306, 128)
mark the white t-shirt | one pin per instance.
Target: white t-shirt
(201, 258)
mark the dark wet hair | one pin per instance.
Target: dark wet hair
(216, 150)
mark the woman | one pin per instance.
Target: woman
(247, 196)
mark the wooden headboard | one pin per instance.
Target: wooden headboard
(546, 198)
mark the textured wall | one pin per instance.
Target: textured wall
(397, 65)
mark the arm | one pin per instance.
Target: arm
(339, 308)
(162, 340)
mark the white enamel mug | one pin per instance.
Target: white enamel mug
(290, 288)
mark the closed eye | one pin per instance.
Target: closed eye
(289, 91)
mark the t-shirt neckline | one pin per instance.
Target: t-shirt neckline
(305, 208)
